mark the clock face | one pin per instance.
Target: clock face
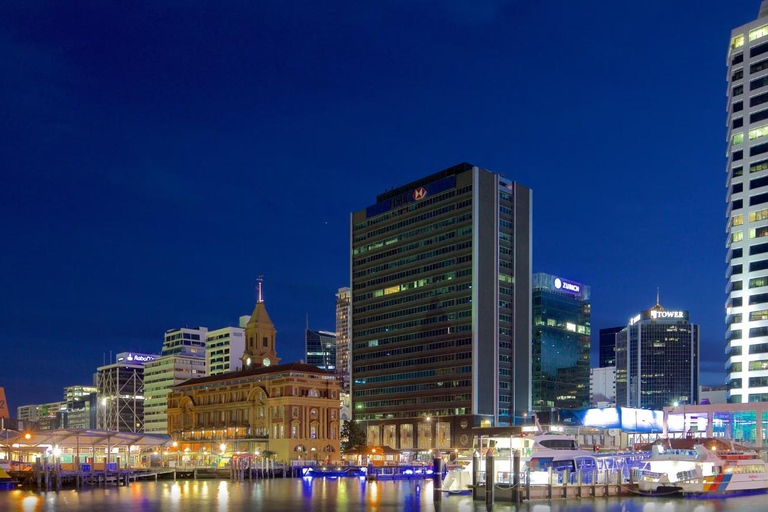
(266, 362)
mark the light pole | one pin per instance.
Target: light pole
(429, 434)
(675, 404)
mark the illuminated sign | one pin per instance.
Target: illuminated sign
(135, 358)
(654, 314)
(409, 196)
(568, 286)
(667, 314)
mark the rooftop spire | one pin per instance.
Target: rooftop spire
(658, 306)
(260, 297)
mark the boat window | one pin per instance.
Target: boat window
(559, 444)
(586, 463)
(543, 464)
(562, 465)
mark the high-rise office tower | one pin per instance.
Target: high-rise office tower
(343, 314)
(182, 359)
(560, 351)
(80, 407)
(657, 360)
(225, 347)
(320, 349)
(607, 347)
(441, 308)
(121, 393)
(747, 212)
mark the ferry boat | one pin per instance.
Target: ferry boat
(538, 453)
(701, 467)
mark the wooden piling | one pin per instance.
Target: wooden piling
(489, 479)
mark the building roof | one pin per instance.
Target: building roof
(255, 372)
(456, 169)
(763, 9)
(260, 316)
(72, 437)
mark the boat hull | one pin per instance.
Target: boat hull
(719, 486)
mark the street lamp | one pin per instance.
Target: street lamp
(429, 433)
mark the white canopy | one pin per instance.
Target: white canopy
(71, 437)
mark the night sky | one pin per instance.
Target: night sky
(156, 157)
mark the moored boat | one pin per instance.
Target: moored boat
(702, 467)
(539, 454)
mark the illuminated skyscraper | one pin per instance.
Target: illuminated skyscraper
(657, 360)
(747, 212)
(441, 309)
(320, 349)
(121, 393)
(561, 331)
(224, 348)
(343, 315)
(183, 358)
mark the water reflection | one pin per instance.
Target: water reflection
(223, 496)
(30, 503)
(352, 494)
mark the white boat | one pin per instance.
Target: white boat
(538, 453)
(701, 467)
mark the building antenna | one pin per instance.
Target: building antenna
(657, 296)
(307, 321)
(260, 296)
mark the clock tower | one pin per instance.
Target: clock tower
(259, 337)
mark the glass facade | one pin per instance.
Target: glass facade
(561, 332)
(607, 354)
(321, 349)
(657, 360)
(343, 299)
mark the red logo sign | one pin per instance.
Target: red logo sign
(419, 193)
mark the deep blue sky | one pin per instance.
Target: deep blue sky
(155, 157)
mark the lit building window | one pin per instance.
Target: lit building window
(758, 215)
(738, 138)
(738, 220)
(755, 33)
(738, 236)
(738, 40)
(754, 133)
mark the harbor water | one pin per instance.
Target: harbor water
(330, 494)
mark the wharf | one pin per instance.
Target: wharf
(553, 492)
(63, 476)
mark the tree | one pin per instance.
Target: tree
(352, 435)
